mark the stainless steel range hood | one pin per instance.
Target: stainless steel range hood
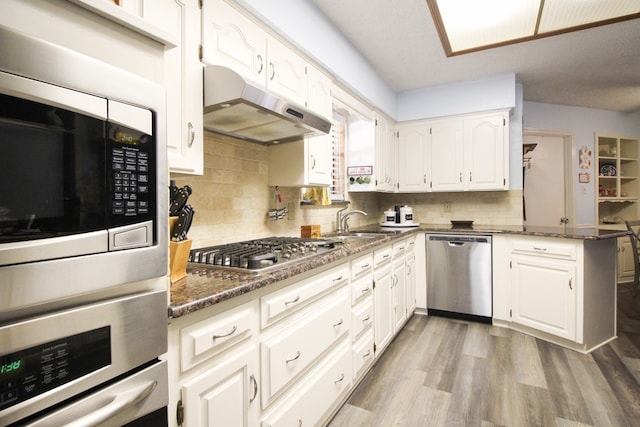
(238, 107)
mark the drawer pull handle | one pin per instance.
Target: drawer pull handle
(364, 266)
(365, 290)
(535, 248)
(366, 319)
(570, 285)
(233, 330)
(293, 301)
(386, 256)
(338, 324)
(339, 379)
(296, 357)
(252, 378)
(367, 354)
(337, 279)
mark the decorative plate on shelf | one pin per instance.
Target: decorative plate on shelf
(608, 170)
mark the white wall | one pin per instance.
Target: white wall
(583, 123)
(492, 93)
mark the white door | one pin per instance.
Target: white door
(544, 180)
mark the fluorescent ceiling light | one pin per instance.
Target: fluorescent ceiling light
(469, 25)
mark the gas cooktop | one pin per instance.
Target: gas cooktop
(260, 254)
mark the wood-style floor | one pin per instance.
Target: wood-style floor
(444, 372)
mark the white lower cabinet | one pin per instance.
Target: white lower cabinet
(544, 294)
(411, 278)
(626, 260)
(307, 404)
(226, 394)
(383, 299)
(299, 343)
(213, 367)
(288, 356)
(559, 289)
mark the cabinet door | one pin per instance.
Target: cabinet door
(319, 160)
(286, 72)
(413, 171)
(544, 295)
(399, 293)
(626, 261)
(183, 74)
(485, 148)
(411, 283)
(384, 168)
(383, 308)
(231, 39)
(226, 394)
(447, 159)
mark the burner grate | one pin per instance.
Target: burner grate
(261, 253)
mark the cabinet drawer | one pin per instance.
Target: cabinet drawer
(362, 354)
(381, 256)
(361, 288)
(313, 400)
(360, 266)
(205, 339)
(544, 247)
(288, 353)
(362, 318)
(399, 248)
(276, 305)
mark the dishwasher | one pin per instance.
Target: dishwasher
(459, 276)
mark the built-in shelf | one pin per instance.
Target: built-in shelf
(617, 183)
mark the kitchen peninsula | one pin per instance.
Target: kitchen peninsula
(302, 337)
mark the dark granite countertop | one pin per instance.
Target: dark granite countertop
(205, 286)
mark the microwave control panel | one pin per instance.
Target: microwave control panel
(132, 180)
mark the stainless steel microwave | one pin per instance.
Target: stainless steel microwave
(83, 176)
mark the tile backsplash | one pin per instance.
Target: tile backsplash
(232, 198)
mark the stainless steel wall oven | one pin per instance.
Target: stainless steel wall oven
(83, 240)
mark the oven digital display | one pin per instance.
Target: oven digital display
(27, 373)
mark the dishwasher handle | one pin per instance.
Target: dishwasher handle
(458, 240)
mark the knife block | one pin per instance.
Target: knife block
(178, 257)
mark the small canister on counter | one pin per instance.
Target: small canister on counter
(406, 214)
(390, 216)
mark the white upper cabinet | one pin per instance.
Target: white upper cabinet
(231, 39)
(447, 158)
(319, 157)
(486, 145)
(462, 153)
(286, 72)
(413, 157)
(183, 83)
(386, 155)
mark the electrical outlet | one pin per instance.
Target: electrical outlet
(447, 206)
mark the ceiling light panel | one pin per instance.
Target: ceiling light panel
(471, 23)
(562, 14)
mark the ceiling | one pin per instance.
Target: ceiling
(596, 68)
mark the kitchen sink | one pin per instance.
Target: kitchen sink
(359, 235)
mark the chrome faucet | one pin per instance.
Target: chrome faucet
(345, 219)
(339, 218)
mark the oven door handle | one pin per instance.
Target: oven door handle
(120, 402)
